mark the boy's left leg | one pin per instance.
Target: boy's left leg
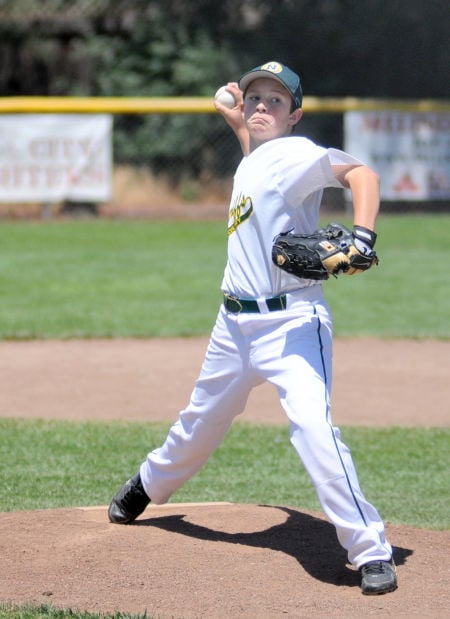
(299, 365)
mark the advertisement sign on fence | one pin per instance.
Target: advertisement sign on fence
(55, 157)
(410, 151)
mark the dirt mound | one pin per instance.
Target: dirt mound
(216, 560)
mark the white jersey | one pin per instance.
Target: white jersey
(278, 187)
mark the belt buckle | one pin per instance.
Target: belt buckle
(233, 304)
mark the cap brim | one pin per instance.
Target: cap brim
(247, 78)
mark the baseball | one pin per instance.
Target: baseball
(224, 97)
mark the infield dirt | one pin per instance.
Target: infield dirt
(216, 560)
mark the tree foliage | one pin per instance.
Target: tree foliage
(363, 48)
(187, 47)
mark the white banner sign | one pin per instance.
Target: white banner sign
(410, 151)
(55, 157)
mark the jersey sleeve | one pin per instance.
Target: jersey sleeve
(340, 157)
(308, 169)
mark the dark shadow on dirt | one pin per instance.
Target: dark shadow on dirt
(309, 540)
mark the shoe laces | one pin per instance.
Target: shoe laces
(378, 567)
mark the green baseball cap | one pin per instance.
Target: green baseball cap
(277, 71)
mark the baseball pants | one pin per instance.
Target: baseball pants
(291, 349)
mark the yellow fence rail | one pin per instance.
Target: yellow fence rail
(200, 105)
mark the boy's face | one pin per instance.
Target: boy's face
(267, 111)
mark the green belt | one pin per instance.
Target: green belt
(236, 306)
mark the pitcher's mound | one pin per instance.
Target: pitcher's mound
(214, 560)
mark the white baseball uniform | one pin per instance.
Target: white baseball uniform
(286, 341)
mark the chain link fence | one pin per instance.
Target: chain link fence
(174, 165)
(167, 164)
(170, 165)
(164, 163)
(207, 154)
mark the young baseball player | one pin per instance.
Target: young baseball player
(273, 326)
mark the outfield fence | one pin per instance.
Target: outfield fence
(175, 152)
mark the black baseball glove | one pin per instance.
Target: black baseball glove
(327, 251)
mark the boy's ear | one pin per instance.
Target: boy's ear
(295, 116)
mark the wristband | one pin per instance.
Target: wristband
(365, 235)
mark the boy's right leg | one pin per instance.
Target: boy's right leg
(220, 393)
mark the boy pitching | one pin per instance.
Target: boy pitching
(273, 326)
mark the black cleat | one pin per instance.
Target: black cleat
(129, 502)
(378, 577)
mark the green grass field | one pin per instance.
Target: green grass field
(147, 278)
(143, 279)
(60, 463)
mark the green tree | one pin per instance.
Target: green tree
(370, 48)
